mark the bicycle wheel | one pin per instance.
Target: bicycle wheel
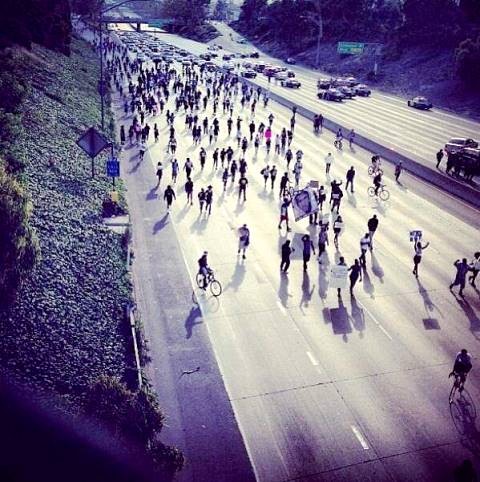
(200, 280)
(216, 288)
(452, 392)
(371, 191)
(384, 195)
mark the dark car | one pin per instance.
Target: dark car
(324, 83)
(205, 56)
(227, 57)
(291, 83)
(459, 143)
(331, 94)
(248, 74)
(420, 103)
(290, 73)
(362, 90)
(254, 55)
(213, 55)
(290, 60)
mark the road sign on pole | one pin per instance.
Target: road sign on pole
(350, 48)
(92, 142)
(113, 168)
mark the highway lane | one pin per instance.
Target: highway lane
(323, 388)
(383, 118)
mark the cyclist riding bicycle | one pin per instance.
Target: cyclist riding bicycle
(377, 182)
(461, 366)
(204, 270)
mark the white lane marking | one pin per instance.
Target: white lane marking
(312, 358)
(376, 321)
(360, 438)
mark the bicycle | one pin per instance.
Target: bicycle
(458, 384)
(215, 286)
(383, 194)
(374, 170)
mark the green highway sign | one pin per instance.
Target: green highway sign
(159, 22)
(350, 47)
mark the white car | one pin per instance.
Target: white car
(282, 75)
(228, 66)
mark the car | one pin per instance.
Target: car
(260, 67)
(241, 41)
(248, 73)
(347, 92)
(420, 103)
(290, 73)
(205, 56)
(254, 55)
(362, 90)
(290, 60)
(213, 55)
(331, 94)
(228, 66)
(459, 143)
(243, 56)
(280, 75)
(227, 57)
(212, 47)
(247, 64)
(324, 83)
(291, 83)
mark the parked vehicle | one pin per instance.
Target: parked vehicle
(281, 75)
(347, 92)
(290, 60)
(331, 94)
(228, 66)
(459, 143)
(291, 83)
(324, 83)
(420, 103)
(362, 90)
(254, 55)
(248, 73)
(260, 67)
(227, 57)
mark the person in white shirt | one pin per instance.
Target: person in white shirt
(328, 162)
(243, 239)
(364, 245)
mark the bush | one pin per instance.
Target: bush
(19, 249)
(467, 57)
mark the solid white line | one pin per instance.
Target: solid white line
(360, 438)
(312, 359)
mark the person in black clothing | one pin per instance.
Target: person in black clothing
(286, 252)
(169, 196)
(350, 177)
(283, 184)
(189, 191)
(356, 273)
(242, 187)
(439, 157)
(308, 247)
(209, 200)
(372, 227)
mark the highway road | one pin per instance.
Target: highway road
(381, 117)
(327, 388)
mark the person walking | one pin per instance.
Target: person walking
(242, 187)
(286, 253)
(461, 275)
(265, 172)
(350, 177)
(417, 258)
(372, 227)
(339, 274)
(284, 213)
(201, 199)
(288, 157)
(474, 268)
(283, 184)
(169, 196)
(351, 138)
(243, 240)
(159, 172)
(189, 191)
(328, 162)
(322, 241)
(364, 245)
(225, 176)
(188, 166)
(308, 247)
(273, 175)
(174, 170)
(355, 275)
(439, 157)
(398, 170)
(209, 200)
(337, 229)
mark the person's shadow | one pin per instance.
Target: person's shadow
(159, 225)
(358, 316)
(367, 284)
(471, 315)
(238, 276)
(283, 290)
(152, 194)
(307, 292)
(194, 318)
(322, 282)
(377, 270)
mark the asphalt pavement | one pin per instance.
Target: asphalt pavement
(322, 388)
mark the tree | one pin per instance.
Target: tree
(221, 11)
(251, 11)
(467, 57)
(18, 244)
(187, 15)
